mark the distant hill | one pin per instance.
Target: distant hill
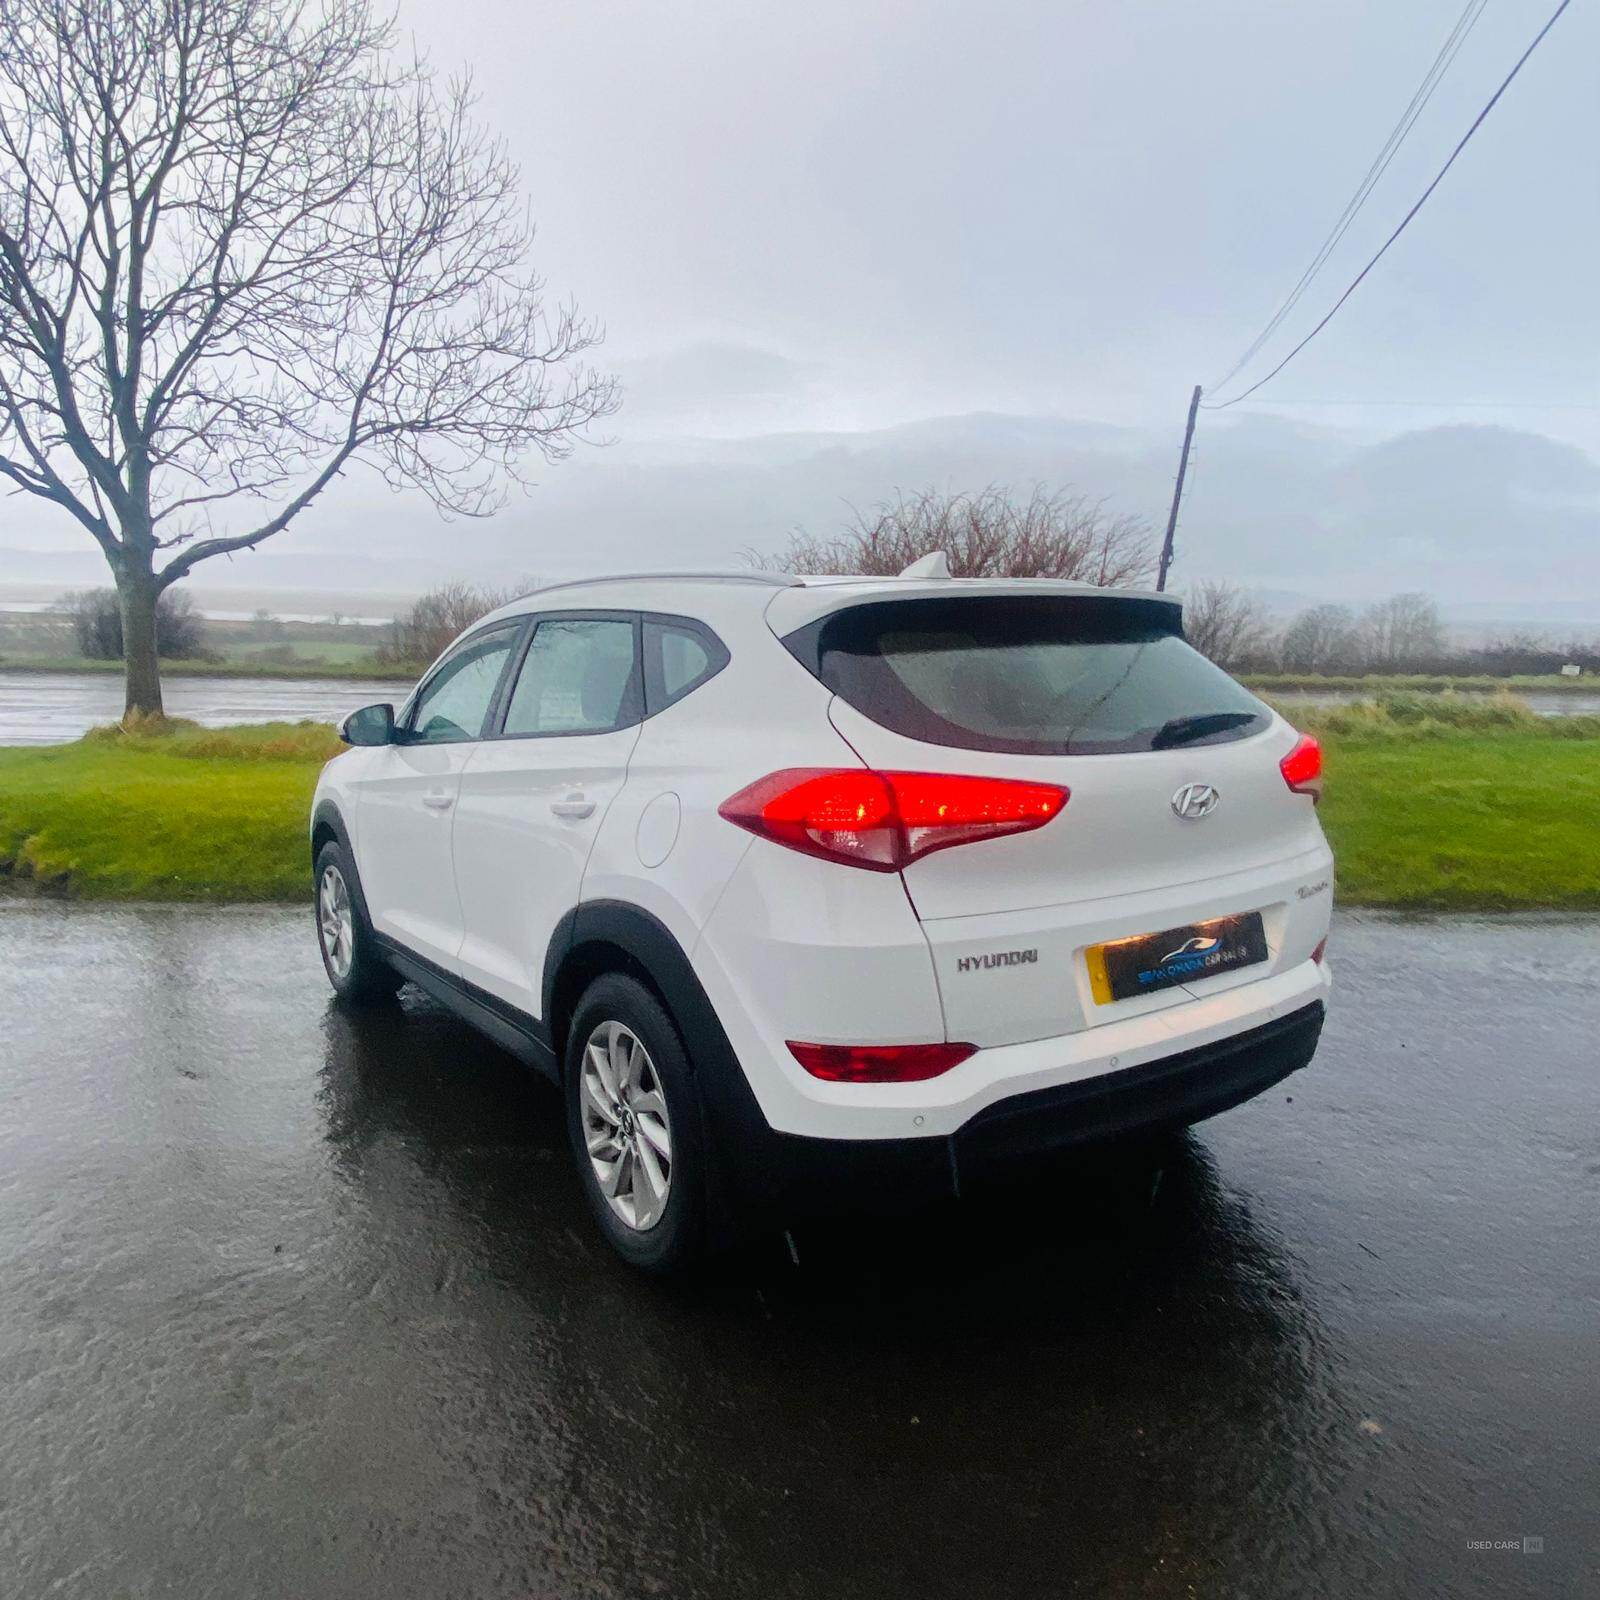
(1483, 517)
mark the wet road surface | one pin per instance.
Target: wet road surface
(297, 1303)
(53, 707)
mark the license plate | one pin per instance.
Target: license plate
(1123, 968)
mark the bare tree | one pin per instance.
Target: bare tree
(1323, 639)
(243, 244)
(1224, 623)
(422, 631)
(990, 534)
(1402, 631)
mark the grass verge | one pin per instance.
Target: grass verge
(180, 813)
(1449, 804)
(1463, 822)
(1460, 803)
(1383, 683)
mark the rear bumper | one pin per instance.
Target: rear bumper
(790, 954)
(1173, 1091)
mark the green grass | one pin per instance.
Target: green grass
(1442, 802)
(1460, 802)
(1379, 683)
(1465, 822)
(184, 814)
(1413, 717)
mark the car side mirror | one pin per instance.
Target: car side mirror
(369, 725)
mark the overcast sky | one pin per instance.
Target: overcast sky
(892, 210)
(849, 215)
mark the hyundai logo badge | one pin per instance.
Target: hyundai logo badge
(1195, 800)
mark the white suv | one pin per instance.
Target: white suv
(816, 888)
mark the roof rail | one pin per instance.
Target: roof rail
(770, 580)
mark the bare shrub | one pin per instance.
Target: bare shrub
(988, 534)
(1323, 639)
(96, 618)
(1226, 624)
(1403, 631)
(421, 632)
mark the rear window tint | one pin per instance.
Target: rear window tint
(1028, 674)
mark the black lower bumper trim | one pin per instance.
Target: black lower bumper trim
(1171, 1092)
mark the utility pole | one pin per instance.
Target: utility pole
(1177, 492)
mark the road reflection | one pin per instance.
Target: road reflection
(1112, 1360)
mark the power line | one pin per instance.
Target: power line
(1397, 136)
(1439, 405)
(1405, 221)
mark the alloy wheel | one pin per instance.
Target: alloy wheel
(337, 922)
(626, 1129)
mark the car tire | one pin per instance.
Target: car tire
(350, 956)
(649, 1130)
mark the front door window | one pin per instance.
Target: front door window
(453, 705)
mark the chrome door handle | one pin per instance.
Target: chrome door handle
(438, 802)
(575, 805)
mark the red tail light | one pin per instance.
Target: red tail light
(884, 820)
(1302, 767)
(879, 1063)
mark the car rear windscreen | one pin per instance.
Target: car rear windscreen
(1028, 674)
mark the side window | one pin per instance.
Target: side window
(679, 657)
(577, 677)
(455, 700)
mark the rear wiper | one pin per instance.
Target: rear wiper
(1185, 730)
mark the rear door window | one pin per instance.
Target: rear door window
(1028, 674)
(578, 675)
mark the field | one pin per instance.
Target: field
(1432, 803)
(269, 647)
(333, 661)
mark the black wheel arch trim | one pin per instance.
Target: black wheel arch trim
(327, 816)
(646, 940)
(737, 1134)
(328, 819)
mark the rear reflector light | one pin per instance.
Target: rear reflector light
(885, 820)
(1302, 767)
(879, 1063)
(1321, 950)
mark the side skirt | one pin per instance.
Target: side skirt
(512, 1029)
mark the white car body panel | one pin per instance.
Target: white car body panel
(1118, 833)
(529, 813)
(403, 800)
